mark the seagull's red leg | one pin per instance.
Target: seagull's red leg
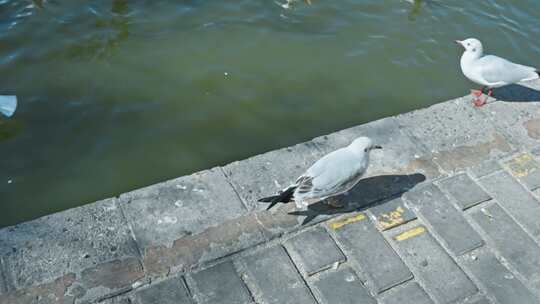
(479, 103)
(476, 100)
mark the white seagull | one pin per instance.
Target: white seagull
(490, 71)
(333, 174)
(8, 104)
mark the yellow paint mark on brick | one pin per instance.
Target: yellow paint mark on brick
(522, 165)
(349, 220)
(410, 233)
(391, 219)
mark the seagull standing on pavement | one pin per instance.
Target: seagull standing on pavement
(490, 71)
(333, 174)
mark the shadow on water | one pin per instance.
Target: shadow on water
(516, 93)
(367, 193)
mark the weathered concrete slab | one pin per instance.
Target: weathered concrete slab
(342, 286)
(518, 121)
(313, 251)
(46, 293)
(162, 213)
(515, 199)
(432, 266)
(525, 168)
(215, 242)
(444, 219)
(391, 214)
(266, 174)
(505, 235)
(464, 190)
(273, 278)
(79, 249)
(4, 287)
(456, 134)
(497, 280)
(219, 284)
(170, 291)
(363, 243)
(408, 293)
(188, 221)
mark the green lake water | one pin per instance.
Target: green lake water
(116, 95)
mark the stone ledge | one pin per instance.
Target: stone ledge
(111, 247)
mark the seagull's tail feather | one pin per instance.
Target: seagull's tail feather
(283, 197)
(8, 104)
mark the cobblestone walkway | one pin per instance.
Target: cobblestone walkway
(448, 214)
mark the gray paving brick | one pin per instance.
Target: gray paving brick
(365, 244)
(464, 190)
(498, 281)
(391, 214)
(314, 250)
(484, 168)
(73, 241)
(518, 248)
(524, 167)
(219, 284)
(275, 278)
(408, 293)
(515, 199)
(441, 276)
(266, 174)
(444, 219)
(342, 286)
(170, 291)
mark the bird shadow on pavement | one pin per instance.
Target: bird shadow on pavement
(369, 192)
(516, 93)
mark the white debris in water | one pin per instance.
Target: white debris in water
(9, 181)
(178, 203)
(198, 190)
(180, 186)
(226, 74)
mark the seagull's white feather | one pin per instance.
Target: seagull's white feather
(8, 105)
(333, 174)
(489, 70)
(495, 69)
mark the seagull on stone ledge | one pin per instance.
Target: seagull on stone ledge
(490, 71)
(333, 174)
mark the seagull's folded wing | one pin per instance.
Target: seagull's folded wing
(495, 69)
